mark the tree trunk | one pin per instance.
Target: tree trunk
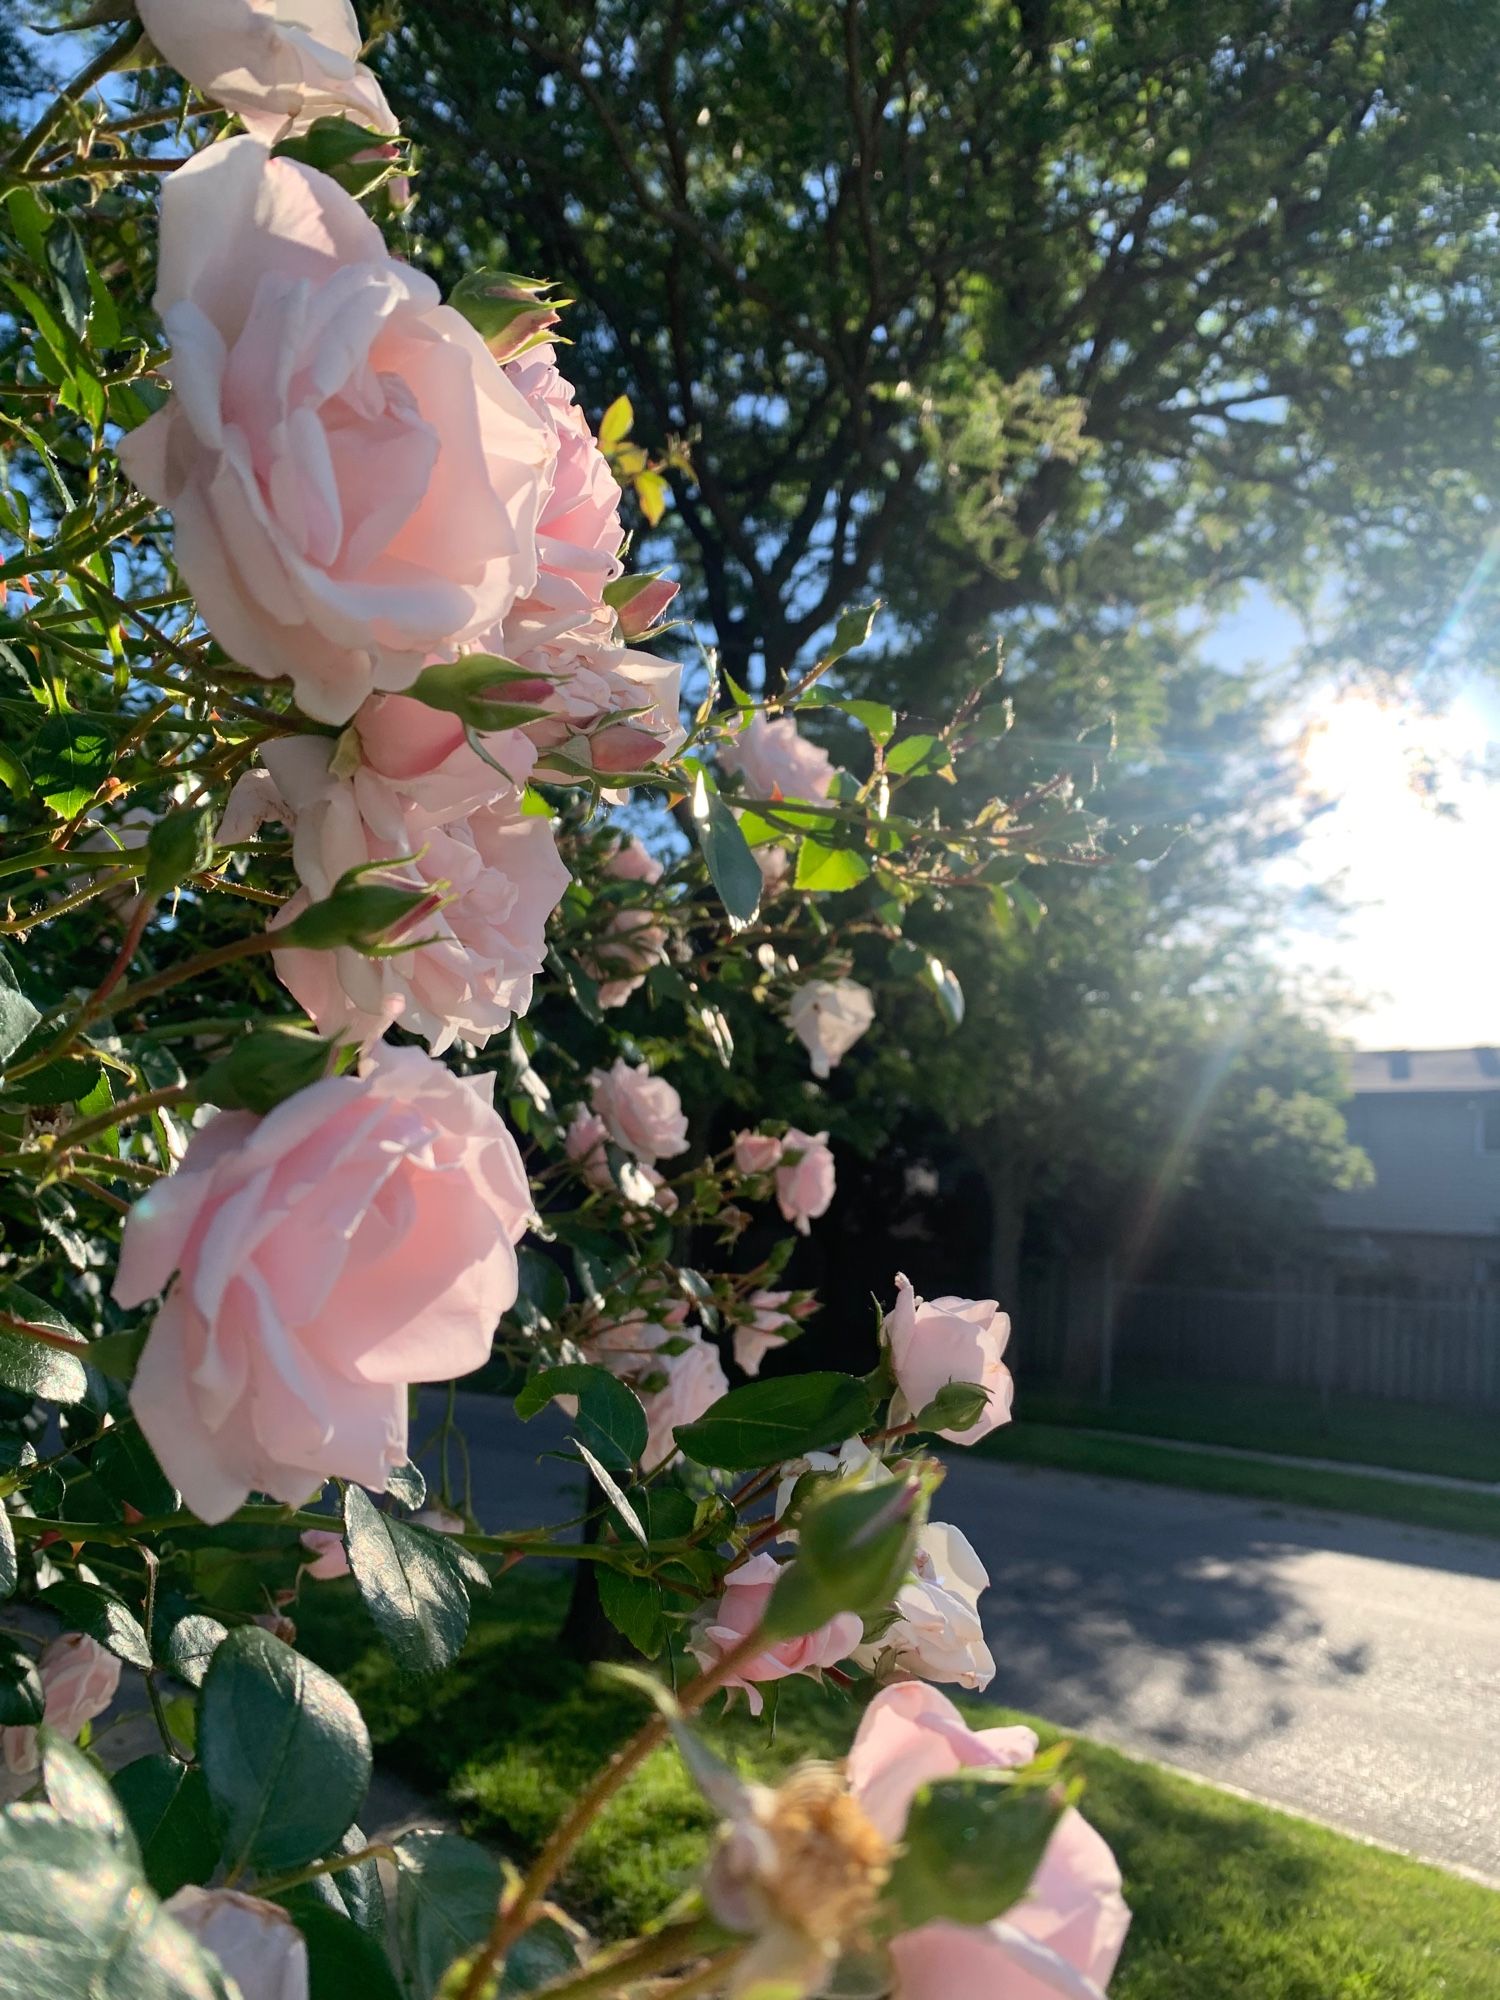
(1008, 1182)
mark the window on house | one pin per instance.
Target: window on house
(1489, 1127)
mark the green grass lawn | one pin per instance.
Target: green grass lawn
(1231, 1901)
(1126, 1457)
(1410, 1437)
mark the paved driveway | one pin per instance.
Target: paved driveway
(1345, 1668)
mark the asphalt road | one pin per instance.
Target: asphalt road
(1344, 1668)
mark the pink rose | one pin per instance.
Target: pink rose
(497, 867)
(643, 612)
(937, 1634)
(776, 761)
(329, 1557)
(425, 755)
(441, 1520)
(255, 1942)
(687, 1383)
(828, 1016)
(1063, 1937)
(937, 1341)
(632, 861)
(756, 1153)
(775, 866)
(747, 1592)
(805, 1179)
(355, 483)
(584, 1145)
(79, 1681)
(642, 1113)
(358, 1238)
(631, 943)
(613, 710)
(579, 534)
(766, 1330)
(280, 64)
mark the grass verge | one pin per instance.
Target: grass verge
(1464, 1444)
(1290, 1486)
(1232, 1901)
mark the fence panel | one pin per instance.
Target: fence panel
(1436, 1349)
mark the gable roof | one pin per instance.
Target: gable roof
(1380, 1071)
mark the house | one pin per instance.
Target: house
(1430, 1121)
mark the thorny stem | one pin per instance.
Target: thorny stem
(28, 148)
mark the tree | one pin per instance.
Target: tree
(998, 305)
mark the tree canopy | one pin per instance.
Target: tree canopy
(998, 306)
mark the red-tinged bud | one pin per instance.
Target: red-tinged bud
(622, 747)
(643, 611)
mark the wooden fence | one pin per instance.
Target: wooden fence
(1080, 1327)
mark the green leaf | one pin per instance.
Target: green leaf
(188, 1644)
(266, 1067)
(17, 1015)
(76, 1921)
(915, 753)
(855, 1544)
(90, 1608)
(116, 1354)
(62, 1082)
(972, 1843)
(68, 761)
(353, 1891)
(343, 1962)
(446, 1891)
(765, 1422)
(543, 1954)
(9, 1569)
(70, 276)
(610, 1419)
(632, 1604)
(829, 868)
(125, 1466)
(172, 1817)
(284, 1749)
(31, 1367)
(1027, 904)
(179, 844)
(946, 990)
(78, 1791)
(406, 1484)
(732, 867)
(418, 1602)
(22, 1699)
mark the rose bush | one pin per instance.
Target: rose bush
(349, 1042)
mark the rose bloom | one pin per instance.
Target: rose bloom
(355, 483)
(357, 1239)
(828, 1016)
(579, 533)
(937, 1635)
(747, 1592)
(766, 1330)
(584, 1144)
(804, 1183)
(775, 866)
(642, 1113)
(79, 1681)
(441, 1520)
(329, 1557)
(937, 1341)
(255, 1942)
(756, 1153)
(695, 1379)
(632, 861)
(612, 710)
(279, 64)
(498, 867)
(1065, 1934)
(632, 942)
(777, 761)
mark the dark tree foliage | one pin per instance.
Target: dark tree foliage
(1004, 305)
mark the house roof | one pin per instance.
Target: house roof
(1380, 1071)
